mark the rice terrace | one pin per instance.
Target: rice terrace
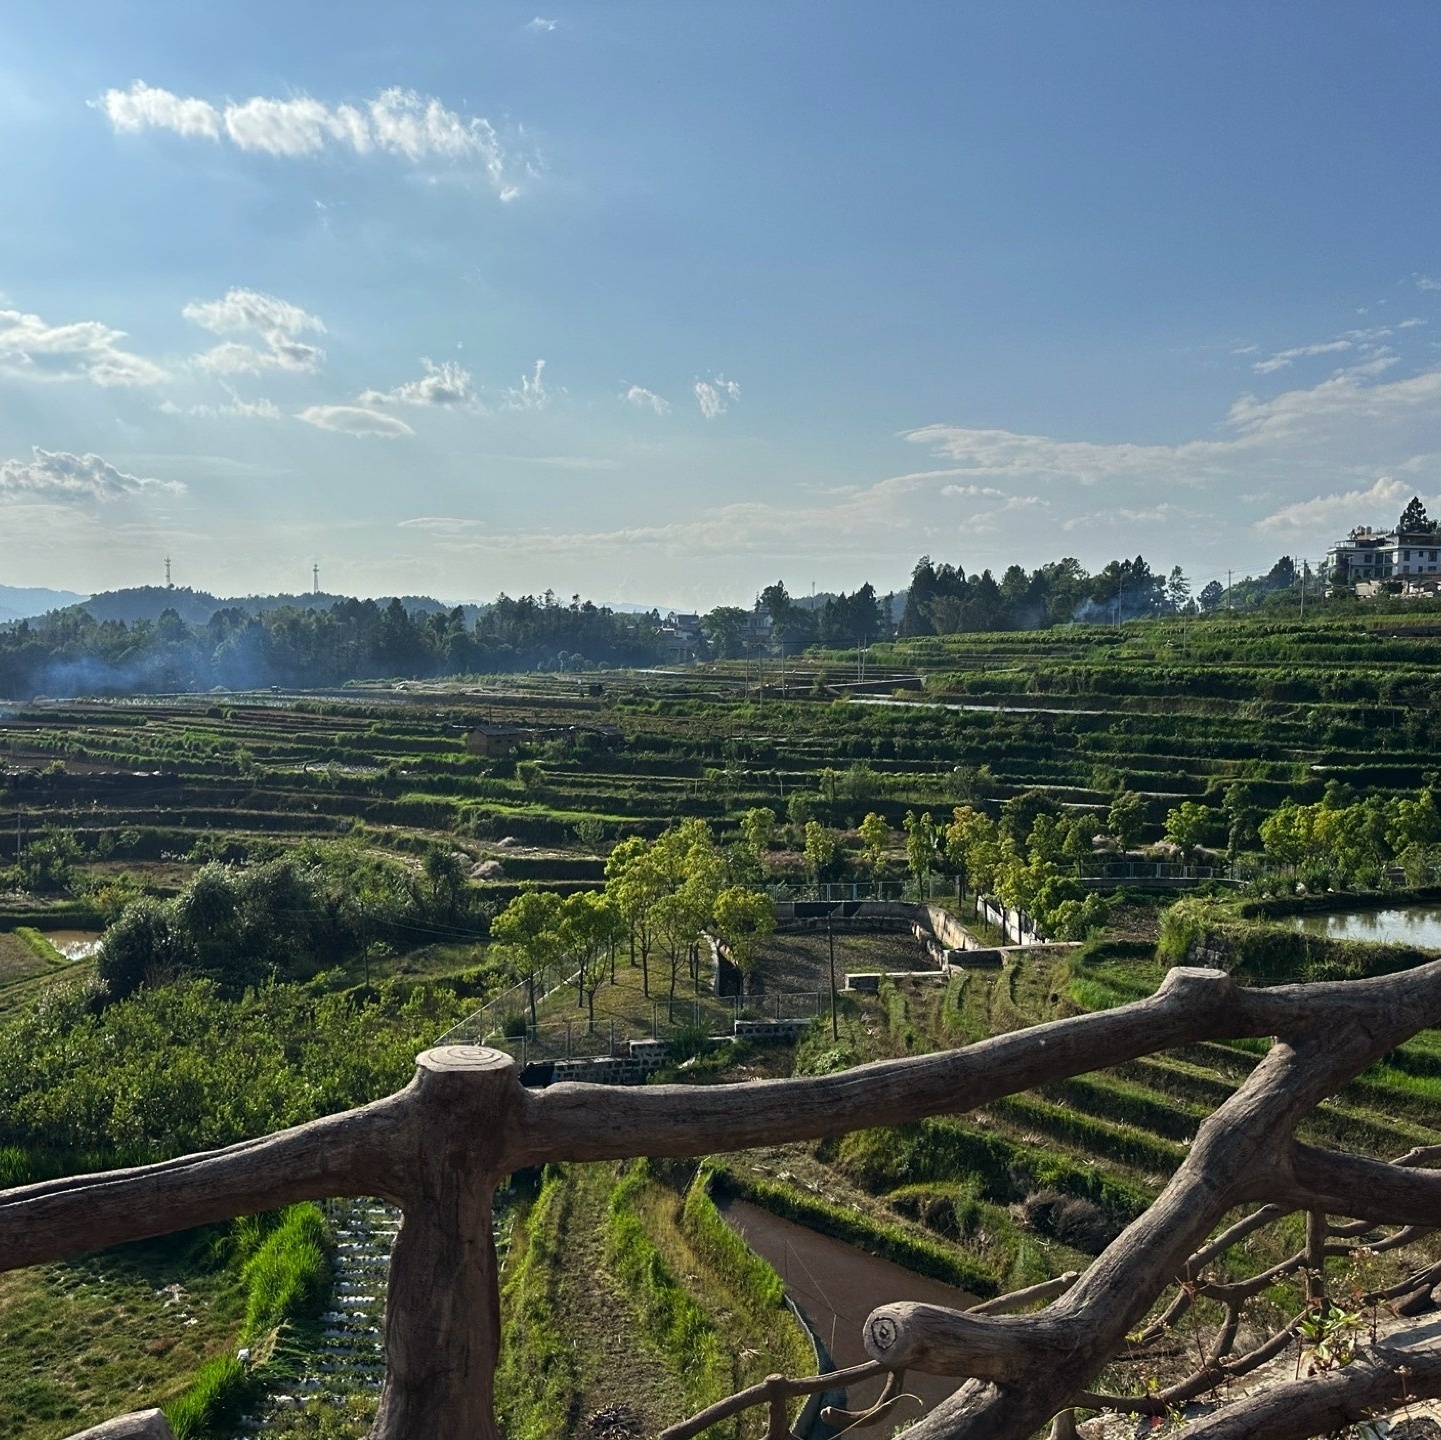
(644, 925)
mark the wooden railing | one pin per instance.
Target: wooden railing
(440, 1148)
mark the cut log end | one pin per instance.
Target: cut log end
(464, 1057)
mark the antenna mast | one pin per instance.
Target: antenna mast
(168, 585)
(315, 576)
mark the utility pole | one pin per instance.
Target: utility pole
(1303, 589)
(168, 585)
(1228, 591)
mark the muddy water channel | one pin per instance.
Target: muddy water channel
(1418, 925)
(835, 1286)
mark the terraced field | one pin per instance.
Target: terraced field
(1172, 711)
(1034, 1185)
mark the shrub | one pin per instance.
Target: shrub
(215, 1400)
(1081, 1224)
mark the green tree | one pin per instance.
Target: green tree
(799, 809)
(875, 836)
(588, 928)
(972, 847)
(141, 945)
(920, 849)
(820, 850)
(1020, 813)
(758, 828)
(529, 926)
(744, 918)
(1126, 818)
(445, 875)
(1414, 519)
(1187, 823)
(47, 862)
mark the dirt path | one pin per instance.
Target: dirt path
(626, 1388)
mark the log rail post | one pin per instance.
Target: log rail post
(439, 1149)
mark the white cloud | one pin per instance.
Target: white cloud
(1282, 358)
(355, 420)
(240, 309)
(56, 474)
(143, 107)
(714, 395)
(532, 394)
(541, 25)
(1427, 282)
(276, 322)
(85, 350)
(959, 492)
(1354, 507)
(445, 385)
(1410, 323)
(232, 358)
(237, 409)
(644, 399)
(397, 122)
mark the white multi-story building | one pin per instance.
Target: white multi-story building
(1368, 556)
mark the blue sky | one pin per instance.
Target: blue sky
(664, 301)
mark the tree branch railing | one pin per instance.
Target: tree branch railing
(440, 1148)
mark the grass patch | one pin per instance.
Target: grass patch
(109, 1333)
(671, 1317)
(538, 1381)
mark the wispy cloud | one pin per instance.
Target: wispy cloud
(83, 350)
(644, 399)
(398, 122)
(277, 323)
(1427, 282)
(541, 25)
(236, 409)
(355, 420)
(1282, 358)
(715, 395)
(960, 492)
(1353, 507)
(532, 394)
(59, 475)
(447, 385)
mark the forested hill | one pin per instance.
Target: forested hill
(195, 607)
(72, 652)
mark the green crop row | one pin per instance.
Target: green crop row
(287, 1274)
(677, 1324)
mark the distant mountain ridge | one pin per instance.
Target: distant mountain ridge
(20, 602)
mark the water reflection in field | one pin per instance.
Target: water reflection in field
(1418, 925)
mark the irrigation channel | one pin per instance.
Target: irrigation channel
(1418, 925)
(835, 1286)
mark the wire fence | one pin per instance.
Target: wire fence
(682, 1023)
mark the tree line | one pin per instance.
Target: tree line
(70, 652)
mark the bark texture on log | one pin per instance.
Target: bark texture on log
(442, 1321)
(142, 1425)
(1382, 1378)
